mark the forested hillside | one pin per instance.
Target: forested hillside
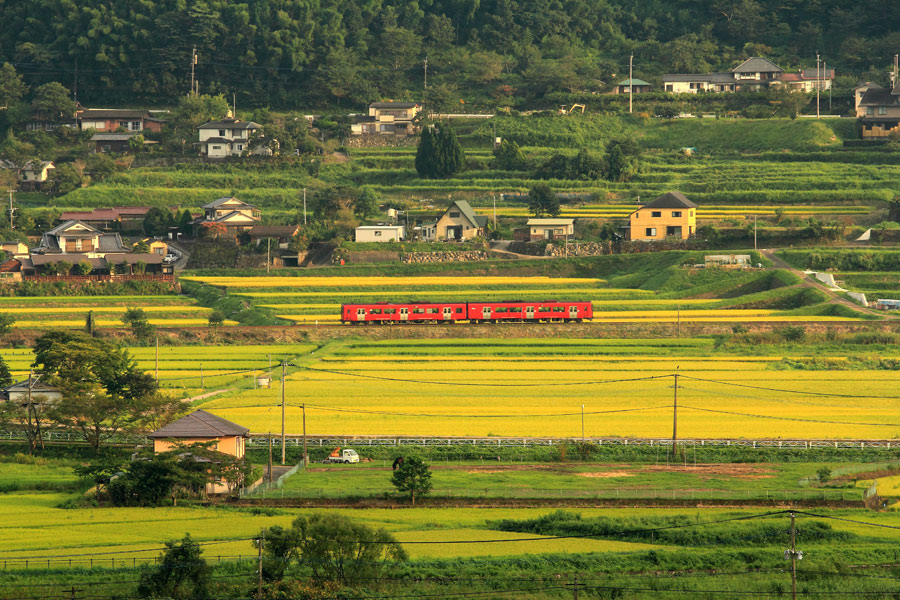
(482, 53)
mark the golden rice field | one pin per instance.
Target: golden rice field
(394, 388)
(704, 212)
(380, 282)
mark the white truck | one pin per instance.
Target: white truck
(343, 456)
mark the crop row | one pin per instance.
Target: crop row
(339, 282)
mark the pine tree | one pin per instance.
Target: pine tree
(425, 154)
(439, 153)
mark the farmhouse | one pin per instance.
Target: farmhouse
(34, 175)
(878, 111)
(31, 390)
(106, 119)
(230, 215)
(282, 234)
(228, 137)
(380, 233)
(753, 74)
(546, 229)
(459, 222)
(669, 216)
(203, 427)
(119, 218)
(117, 142)
(388, 118)
(636, 86)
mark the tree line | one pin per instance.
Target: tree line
(290, 53)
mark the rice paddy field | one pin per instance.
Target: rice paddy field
(309, 300)
(68, 312)
(518, 387)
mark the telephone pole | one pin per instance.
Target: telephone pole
(582, 423)
(304, 206)
(157, 360)
(193, 64)
(305, 455)
(259, 580)
(794, 555)
(283, 366)
(12, 210)
(630, 82)
(675, 418)
(818, 85)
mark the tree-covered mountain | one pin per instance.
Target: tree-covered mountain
(346, 53)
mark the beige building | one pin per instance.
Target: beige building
(235, 216)
(879, 112)
(203, 427)
(380, 233)
(550, 229)
(671, 215)
(388, 118)
(458, 223)
(752, 74)
(34, 175)
(31, 390)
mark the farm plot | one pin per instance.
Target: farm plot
(42, 312)
(522, 388)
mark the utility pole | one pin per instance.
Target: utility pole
(304, 206)
(194, 85)
(201, 377)
(825, 76)
(425, 89)
(494, 197)
(12, 210)
(574, 586)
(630, 83)
(283, 367)
(157, 360)
(270, 457)
(793, 554)
(305, 455)
(818, 85)
(260, 542)
(754, 232)
(268, 253)
(675, 418)
(582, 423)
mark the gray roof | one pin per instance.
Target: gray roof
(226, 200)
(110, 242)
(200, 424)
(113, 113)
(113, 137)
(632, 82)
(468, 213)
(264, 231)
(36, 386)
(229, 124)
(756, 64)
(393, 105)
(61, 228)
(878, 97)
(822, 74)
(73, 259)
(670, 200)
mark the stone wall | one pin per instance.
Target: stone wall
(364, 256)
(580, 249)
(381, 141)
(444, 257)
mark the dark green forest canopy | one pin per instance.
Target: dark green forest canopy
(346, 53)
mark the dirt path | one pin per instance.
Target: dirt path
(809, 282)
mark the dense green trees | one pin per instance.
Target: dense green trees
(439, 153)
(348, 53)
(543, 201)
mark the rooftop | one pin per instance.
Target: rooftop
(198, 425)
(671, 200)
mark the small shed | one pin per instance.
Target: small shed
(637, 86)
(380, 233)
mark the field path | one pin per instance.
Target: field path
(808, 282)
(208, 395)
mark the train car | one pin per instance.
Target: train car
(384, 312)
(546, 311)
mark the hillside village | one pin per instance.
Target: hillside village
(449, 299)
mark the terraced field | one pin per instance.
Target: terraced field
(66, 312)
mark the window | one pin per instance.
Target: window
(240, 146)
(656, 214)
(221, 133)
(454, 215)
(870, 111)
(458, 310)
(650, 232)
(78, 244)
(135, 125)
(377, 234)
(123, 124)
(217, 147)
(696, 86)
(375, 311)
(669, 87)
(882, 110)
(676, 213)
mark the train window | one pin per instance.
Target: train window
(375, 311)
(419, 311)
(544, 308)
(390, 311)
(501, 309)
(559, 309)
(432, 311)
(458, 310)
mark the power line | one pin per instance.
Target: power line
(783, 391)
(779, 418)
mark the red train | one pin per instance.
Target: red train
(475, 312)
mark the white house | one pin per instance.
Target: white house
(380, 233)
(550, 229)
(228, 137)
(33, 390)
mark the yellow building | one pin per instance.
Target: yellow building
(669, 216)
(201, 427)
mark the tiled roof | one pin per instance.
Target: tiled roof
(62, 227)
(671, 200)
(229, 124)
(198, 425)
(632, 82)
(264, 231)
(227, 200)
(112, 113)
(756, 64)
(393, 105)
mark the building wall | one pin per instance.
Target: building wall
(233, 445)
(643, 219)
(880, 130)
(539, 232)
(386, 234)
(446, 221)
(71, 245)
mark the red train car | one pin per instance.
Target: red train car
(385, 312)
(547, 311)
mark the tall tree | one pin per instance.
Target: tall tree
(52, 101)
(543, 201)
